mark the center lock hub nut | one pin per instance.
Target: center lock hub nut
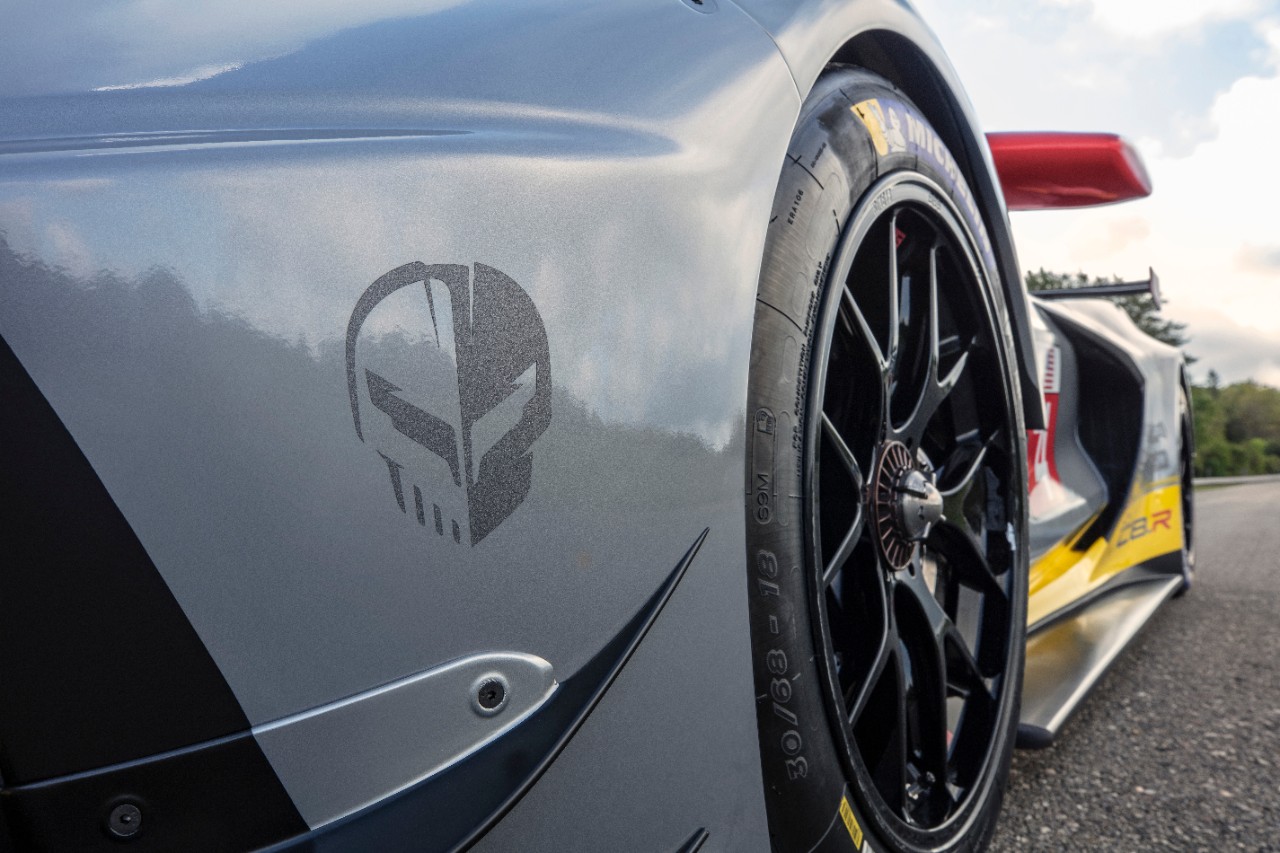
(905, 504)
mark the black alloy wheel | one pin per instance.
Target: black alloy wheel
(910, 495)
(886, 506)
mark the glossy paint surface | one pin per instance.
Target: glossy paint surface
(1043, 171)
(182, 252)
(373, 741)
(1150, 525)
(183, 301)
(195, 199)
(1066, 659)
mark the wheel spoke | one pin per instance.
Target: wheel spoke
(934, 614)
(843, 452)
(948, 383)
(955, 541)
(966, 564)
(880, 664)
(926, 721)
(854, 531)
(935, 389)
(842, 554)
(931, 702)
(862, 328)
(893, 777)
(963, 672)
(931, 398)
(934, 353)
(894, 295)
(960, 468)
(971, 736)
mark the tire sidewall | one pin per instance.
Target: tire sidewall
(854, 130)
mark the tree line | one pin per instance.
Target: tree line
(1237, 428)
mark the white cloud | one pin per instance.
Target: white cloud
(1145, 19)
(1133, 67)
(1242, 352)
(1197, 84)
(67, 248)
(1262, 259)
(1209, 230)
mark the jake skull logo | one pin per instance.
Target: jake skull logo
(449, 377)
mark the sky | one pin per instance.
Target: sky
(1195, 86)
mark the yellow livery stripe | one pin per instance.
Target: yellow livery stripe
(1150, 526)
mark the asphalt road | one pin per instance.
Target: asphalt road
(1179, 746)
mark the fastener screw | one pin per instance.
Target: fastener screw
(125, 820)
(491, 694)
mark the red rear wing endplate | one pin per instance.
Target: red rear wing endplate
(1041, 171)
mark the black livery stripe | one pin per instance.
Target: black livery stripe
(214, 797)
(99, 666)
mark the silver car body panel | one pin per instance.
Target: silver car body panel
(1059, 506)
(384, 740)
(217, 372)
(1160, 368)
(250, 260)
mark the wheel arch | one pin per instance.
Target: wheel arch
(914, 63)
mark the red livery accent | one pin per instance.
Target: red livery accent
(1043, 483)
(1040, 171)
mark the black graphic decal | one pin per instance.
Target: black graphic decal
(424, 428)
(453, 419)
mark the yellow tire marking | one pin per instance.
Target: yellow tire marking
(872, 117)
(850, 822)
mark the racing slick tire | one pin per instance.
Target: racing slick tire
(1186, 479)
(886, 501)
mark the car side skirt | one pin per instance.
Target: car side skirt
(1069, 655)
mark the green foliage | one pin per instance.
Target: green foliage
(1253, 411)
(1141, 309)
(1237, 429)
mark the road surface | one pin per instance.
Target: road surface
(1179, 747)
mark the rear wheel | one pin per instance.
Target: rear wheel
(888, 490)
(1186, 478)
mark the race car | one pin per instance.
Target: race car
(1111, 502)
(547, 426)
